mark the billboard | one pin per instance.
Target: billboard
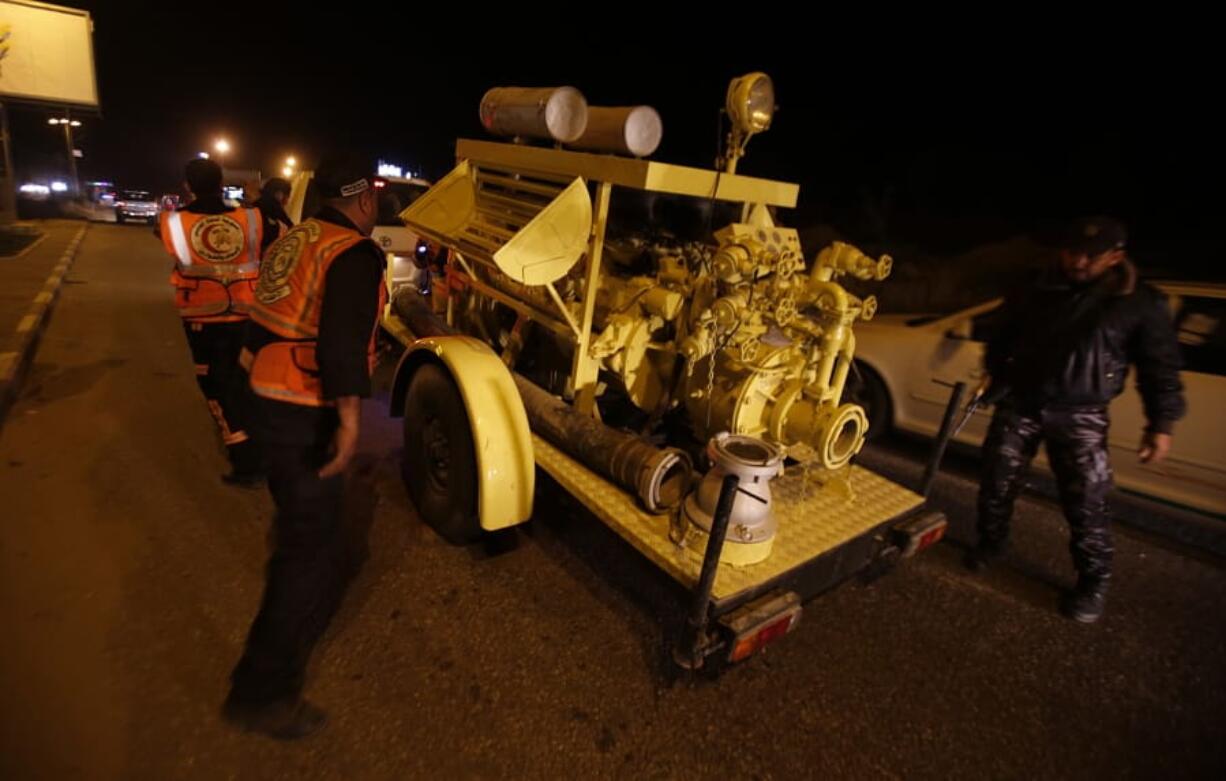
(46, 54)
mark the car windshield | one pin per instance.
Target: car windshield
(135, 195)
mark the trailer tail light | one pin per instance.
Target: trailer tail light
(919, 533)
(760, 623)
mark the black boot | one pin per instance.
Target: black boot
(979, 558)
(283, 720)
(1086, 602)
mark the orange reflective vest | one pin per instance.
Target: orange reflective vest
(216, 262)
(288, 300)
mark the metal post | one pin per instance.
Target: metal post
(689, 651)
(938, 448)
(8, 192)
(72, 160)
(585, 370)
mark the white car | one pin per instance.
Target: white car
(136, 205)
(395, 195)
(907, 363)
(395, 238)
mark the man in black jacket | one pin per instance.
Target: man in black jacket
(271, 203)
(1060, 356)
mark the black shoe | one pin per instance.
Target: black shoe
(283, 720)
(979, 559)
(1087, 601)
(245, 479)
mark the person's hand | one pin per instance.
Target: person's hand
(345, 442)
(1154, 447)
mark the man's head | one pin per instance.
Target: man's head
(1092, 247)
(347, 184)
(277, 189)
(203, 177)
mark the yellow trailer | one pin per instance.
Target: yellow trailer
(618, 321)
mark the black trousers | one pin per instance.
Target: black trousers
(306, 575)
(1076, 440)
(215, 348)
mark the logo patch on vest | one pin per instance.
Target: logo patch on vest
(217, 238)
(280, 261)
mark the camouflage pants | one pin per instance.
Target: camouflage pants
(1076, 440)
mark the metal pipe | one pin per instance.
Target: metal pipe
(938, 448)
(848, 353)
(689, 651)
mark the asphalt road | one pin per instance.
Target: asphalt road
(129, 574)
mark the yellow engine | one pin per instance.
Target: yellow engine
(732, 332)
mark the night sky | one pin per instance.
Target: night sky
(894, 136)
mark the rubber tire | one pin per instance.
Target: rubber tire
(869, 392)
(437, 434)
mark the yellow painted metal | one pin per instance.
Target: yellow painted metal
(627, 172)
(533, 244)
(548, 246)
(297, 195)
(772, 353)
(585, 369)
(812, 520)
(506, 477)
(448, 206)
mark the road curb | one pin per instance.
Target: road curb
(15, 364)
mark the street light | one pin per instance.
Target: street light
(287, 172)
(222, 146)
(203, 155)
(68, 124)
(291, 161)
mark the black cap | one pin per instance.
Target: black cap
(343, 176)
(1096, 235)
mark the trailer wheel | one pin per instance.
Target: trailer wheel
(440, 465)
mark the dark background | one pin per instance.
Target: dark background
(900, 139)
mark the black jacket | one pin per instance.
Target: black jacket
(275, 219)
(1070, 345)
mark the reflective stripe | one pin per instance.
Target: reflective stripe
(279, 373)
(206, 310)
(284, 394)
(280, 325)
(227, 436)
(174, 221)
(210, 319)
(222, 272)
(253, 235)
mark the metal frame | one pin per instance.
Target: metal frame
(633, 173)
